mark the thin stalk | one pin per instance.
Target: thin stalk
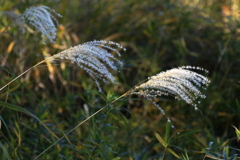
(125, 94)
(43, 61)
(12, 22)
(70, 132)
(22, 74)
(5, 29)
(34, 96)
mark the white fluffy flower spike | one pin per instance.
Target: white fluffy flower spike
(94, 57)
(42, 19)
(180, 82)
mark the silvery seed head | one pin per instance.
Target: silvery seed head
(95, 57)
(42, 19)
(181, 83)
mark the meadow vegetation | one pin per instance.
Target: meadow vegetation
(54, 97)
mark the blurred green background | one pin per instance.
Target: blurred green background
(158, 35)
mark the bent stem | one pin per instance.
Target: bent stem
(125, 94)
(4, 29)
(9, 25)
(43, 61)
(22, 74)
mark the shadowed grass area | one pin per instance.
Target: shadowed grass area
(158, 36)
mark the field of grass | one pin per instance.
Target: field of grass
(47, 102)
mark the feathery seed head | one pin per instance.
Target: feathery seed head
(42, 19)
(180, 82)
(94, 57)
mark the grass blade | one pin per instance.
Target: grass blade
(20, 109)
(5, 151)
(173, 153)
(168, 127)
(161, 140)
(16, 86)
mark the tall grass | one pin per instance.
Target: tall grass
(162, 36)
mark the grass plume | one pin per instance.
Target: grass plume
(94, 57)
(42, 19)
(181, 83)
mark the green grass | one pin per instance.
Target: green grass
(158, 36)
